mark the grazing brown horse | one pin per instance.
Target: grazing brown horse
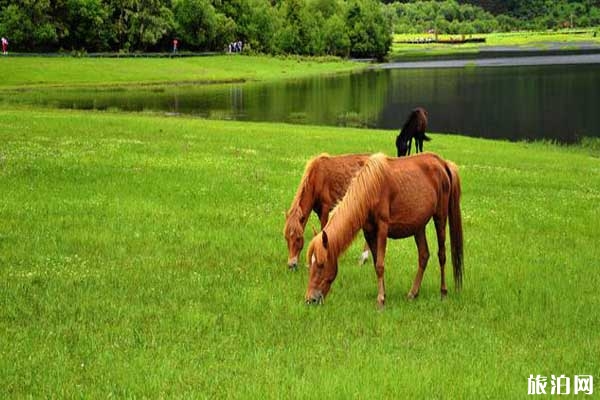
(322, 186)
(415, 126)
(395, 198)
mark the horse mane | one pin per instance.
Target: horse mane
(351, 212)
(294, 214)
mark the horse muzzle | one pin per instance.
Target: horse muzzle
(315, 298)
(293, 263)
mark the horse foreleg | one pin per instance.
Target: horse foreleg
(324, 216)
(421, 241)
(377, 244)
(440, 229)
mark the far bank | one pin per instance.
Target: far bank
(43, 72)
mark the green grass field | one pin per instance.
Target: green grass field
(565, 39)
(143, 256)
(36, 72)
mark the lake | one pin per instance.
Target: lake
(553, 102)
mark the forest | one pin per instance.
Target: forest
(345, 28)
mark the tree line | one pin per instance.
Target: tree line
(346, 28)
(485, 16)
(356, 28)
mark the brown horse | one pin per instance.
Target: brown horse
(395, 198)
(414, 127)
(322, 186)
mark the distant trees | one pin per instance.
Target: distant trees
(347, 28)
(360, 28)
(483, 16)
(368, 29)
(444, 17)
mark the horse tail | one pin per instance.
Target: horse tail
(455, 219)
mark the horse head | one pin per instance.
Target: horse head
(294, 236)
(323, 269)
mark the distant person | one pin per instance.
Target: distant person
(175, 43)
(4, 46)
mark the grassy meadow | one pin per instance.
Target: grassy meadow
(565, 39)
(36, 72)
(143, 256)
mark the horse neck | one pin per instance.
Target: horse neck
(351, 213)
(303, 201)
(341, 232)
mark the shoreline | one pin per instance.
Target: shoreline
(506, 61)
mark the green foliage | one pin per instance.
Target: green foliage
(258, 24)
(358, 28)
(451, 17)
(444, 17)
(368, 30)
(196, 22)
(88, 24)
(29, 25)
(304, 27)
(149, 21)
(336, 39)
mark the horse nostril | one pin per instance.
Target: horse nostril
(311, 301)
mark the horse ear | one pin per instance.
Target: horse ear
(325, 239)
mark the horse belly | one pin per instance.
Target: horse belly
(407, 228)
(409, 217)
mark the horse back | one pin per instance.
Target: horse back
(417, 189)
(415, 125)
(332, 175)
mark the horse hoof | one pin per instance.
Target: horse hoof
(363, 258)
(380, 302)
(412, 296)
(444, 294)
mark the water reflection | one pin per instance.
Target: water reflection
(545, 102)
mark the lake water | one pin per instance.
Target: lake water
(560, 102)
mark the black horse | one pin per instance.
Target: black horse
(415, 126)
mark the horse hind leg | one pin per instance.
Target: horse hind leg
(423, 250)
(364, 256)
(440, 229)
